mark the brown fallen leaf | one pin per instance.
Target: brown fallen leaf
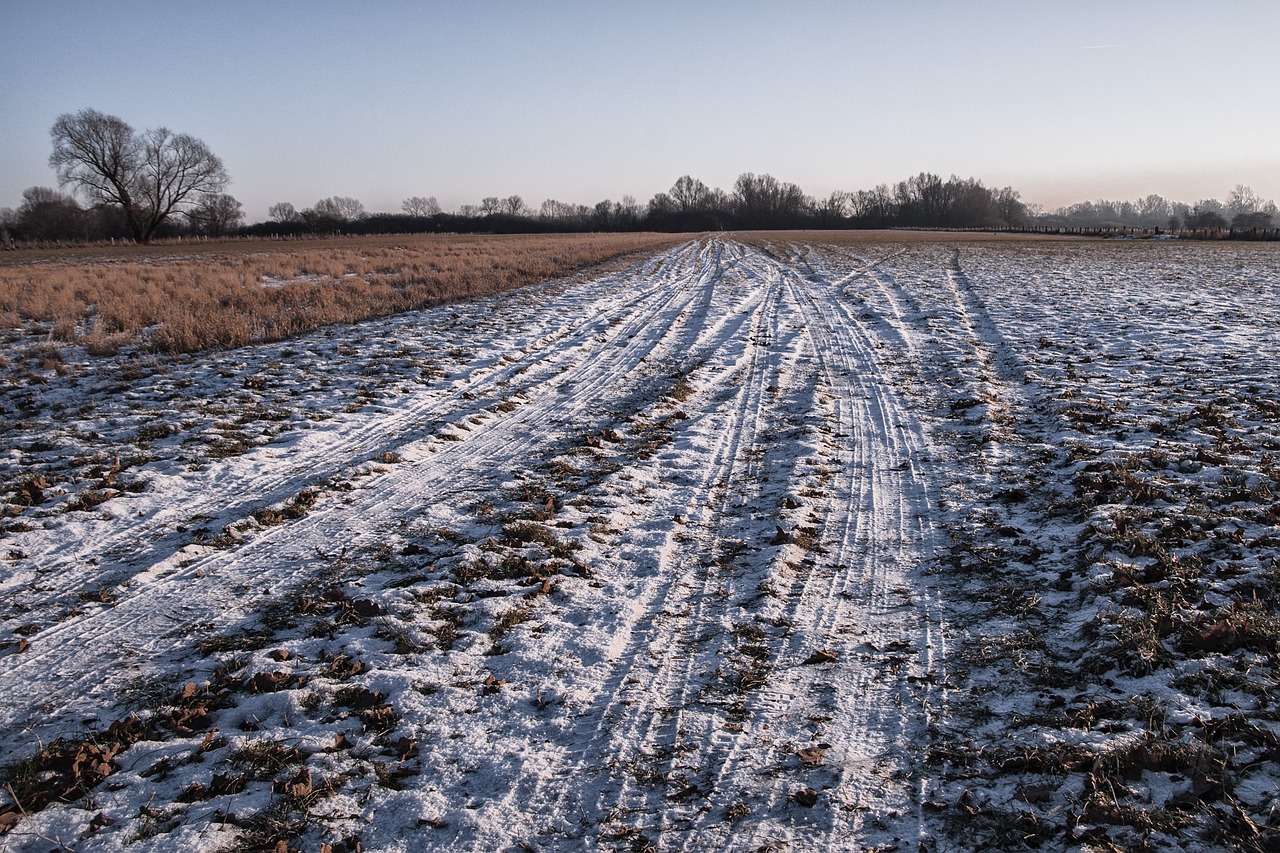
(9, 817)
(811, 756)
(806, 797)
(404, 749)
(100, 820)
(821, 656)
(210, 740)
(299, 787)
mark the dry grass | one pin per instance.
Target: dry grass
(186, 299)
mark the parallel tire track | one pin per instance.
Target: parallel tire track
(787, 514)
(188, 588)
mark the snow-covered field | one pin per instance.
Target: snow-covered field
(761, 544)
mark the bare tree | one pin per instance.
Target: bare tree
(283, 212)
(150, 175)
(1248, 210)
(513, 205)
(557, 210)
(47, 214)
(834, 209)
(873, 208)
(330, 214)
(8, 220)
(662, 204)
(216, 214)
(1243, 200)
(1008, 206)
(340, 208)
(419, 206)
(1207, 213)
(605, 214)
(351, 209)
(690, 194)
(765, 201)
(1153, 210)
(490, 204)
(628, 212)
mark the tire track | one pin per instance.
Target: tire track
(846, 600)
(787, 514)
(679, 751)
(188, 589)
(637, 715)
(231, 490)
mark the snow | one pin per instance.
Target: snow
(752, 545)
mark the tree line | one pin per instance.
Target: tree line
(1243, 210)
(150, 184)
(755, 202)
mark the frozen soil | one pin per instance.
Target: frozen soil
(760, 544)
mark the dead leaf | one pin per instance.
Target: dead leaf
(821, 656)
(811, 756)
(100, 821)
(299, 787)
(806, 797)
(379, 719)
(223, 785)
(33, 490)
(268, 682)
(210, 740)
(9, 817)
(404, 749)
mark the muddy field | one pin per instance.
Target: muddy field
(767, 542)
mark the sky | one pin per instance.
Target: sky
(581, 101)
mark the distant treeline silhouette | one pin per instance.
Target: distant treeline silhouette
(757, 202)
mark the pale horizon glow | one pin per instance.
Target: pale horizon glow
(581, 101)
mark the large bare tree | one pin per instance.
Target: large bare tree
(150, 175)
(690, 194)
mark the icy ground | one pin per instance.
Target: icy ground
(751, 546)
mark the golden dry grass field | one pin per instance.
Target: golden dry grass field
(186, 297)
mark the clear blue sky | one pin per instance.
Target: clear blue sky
(592, 99)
